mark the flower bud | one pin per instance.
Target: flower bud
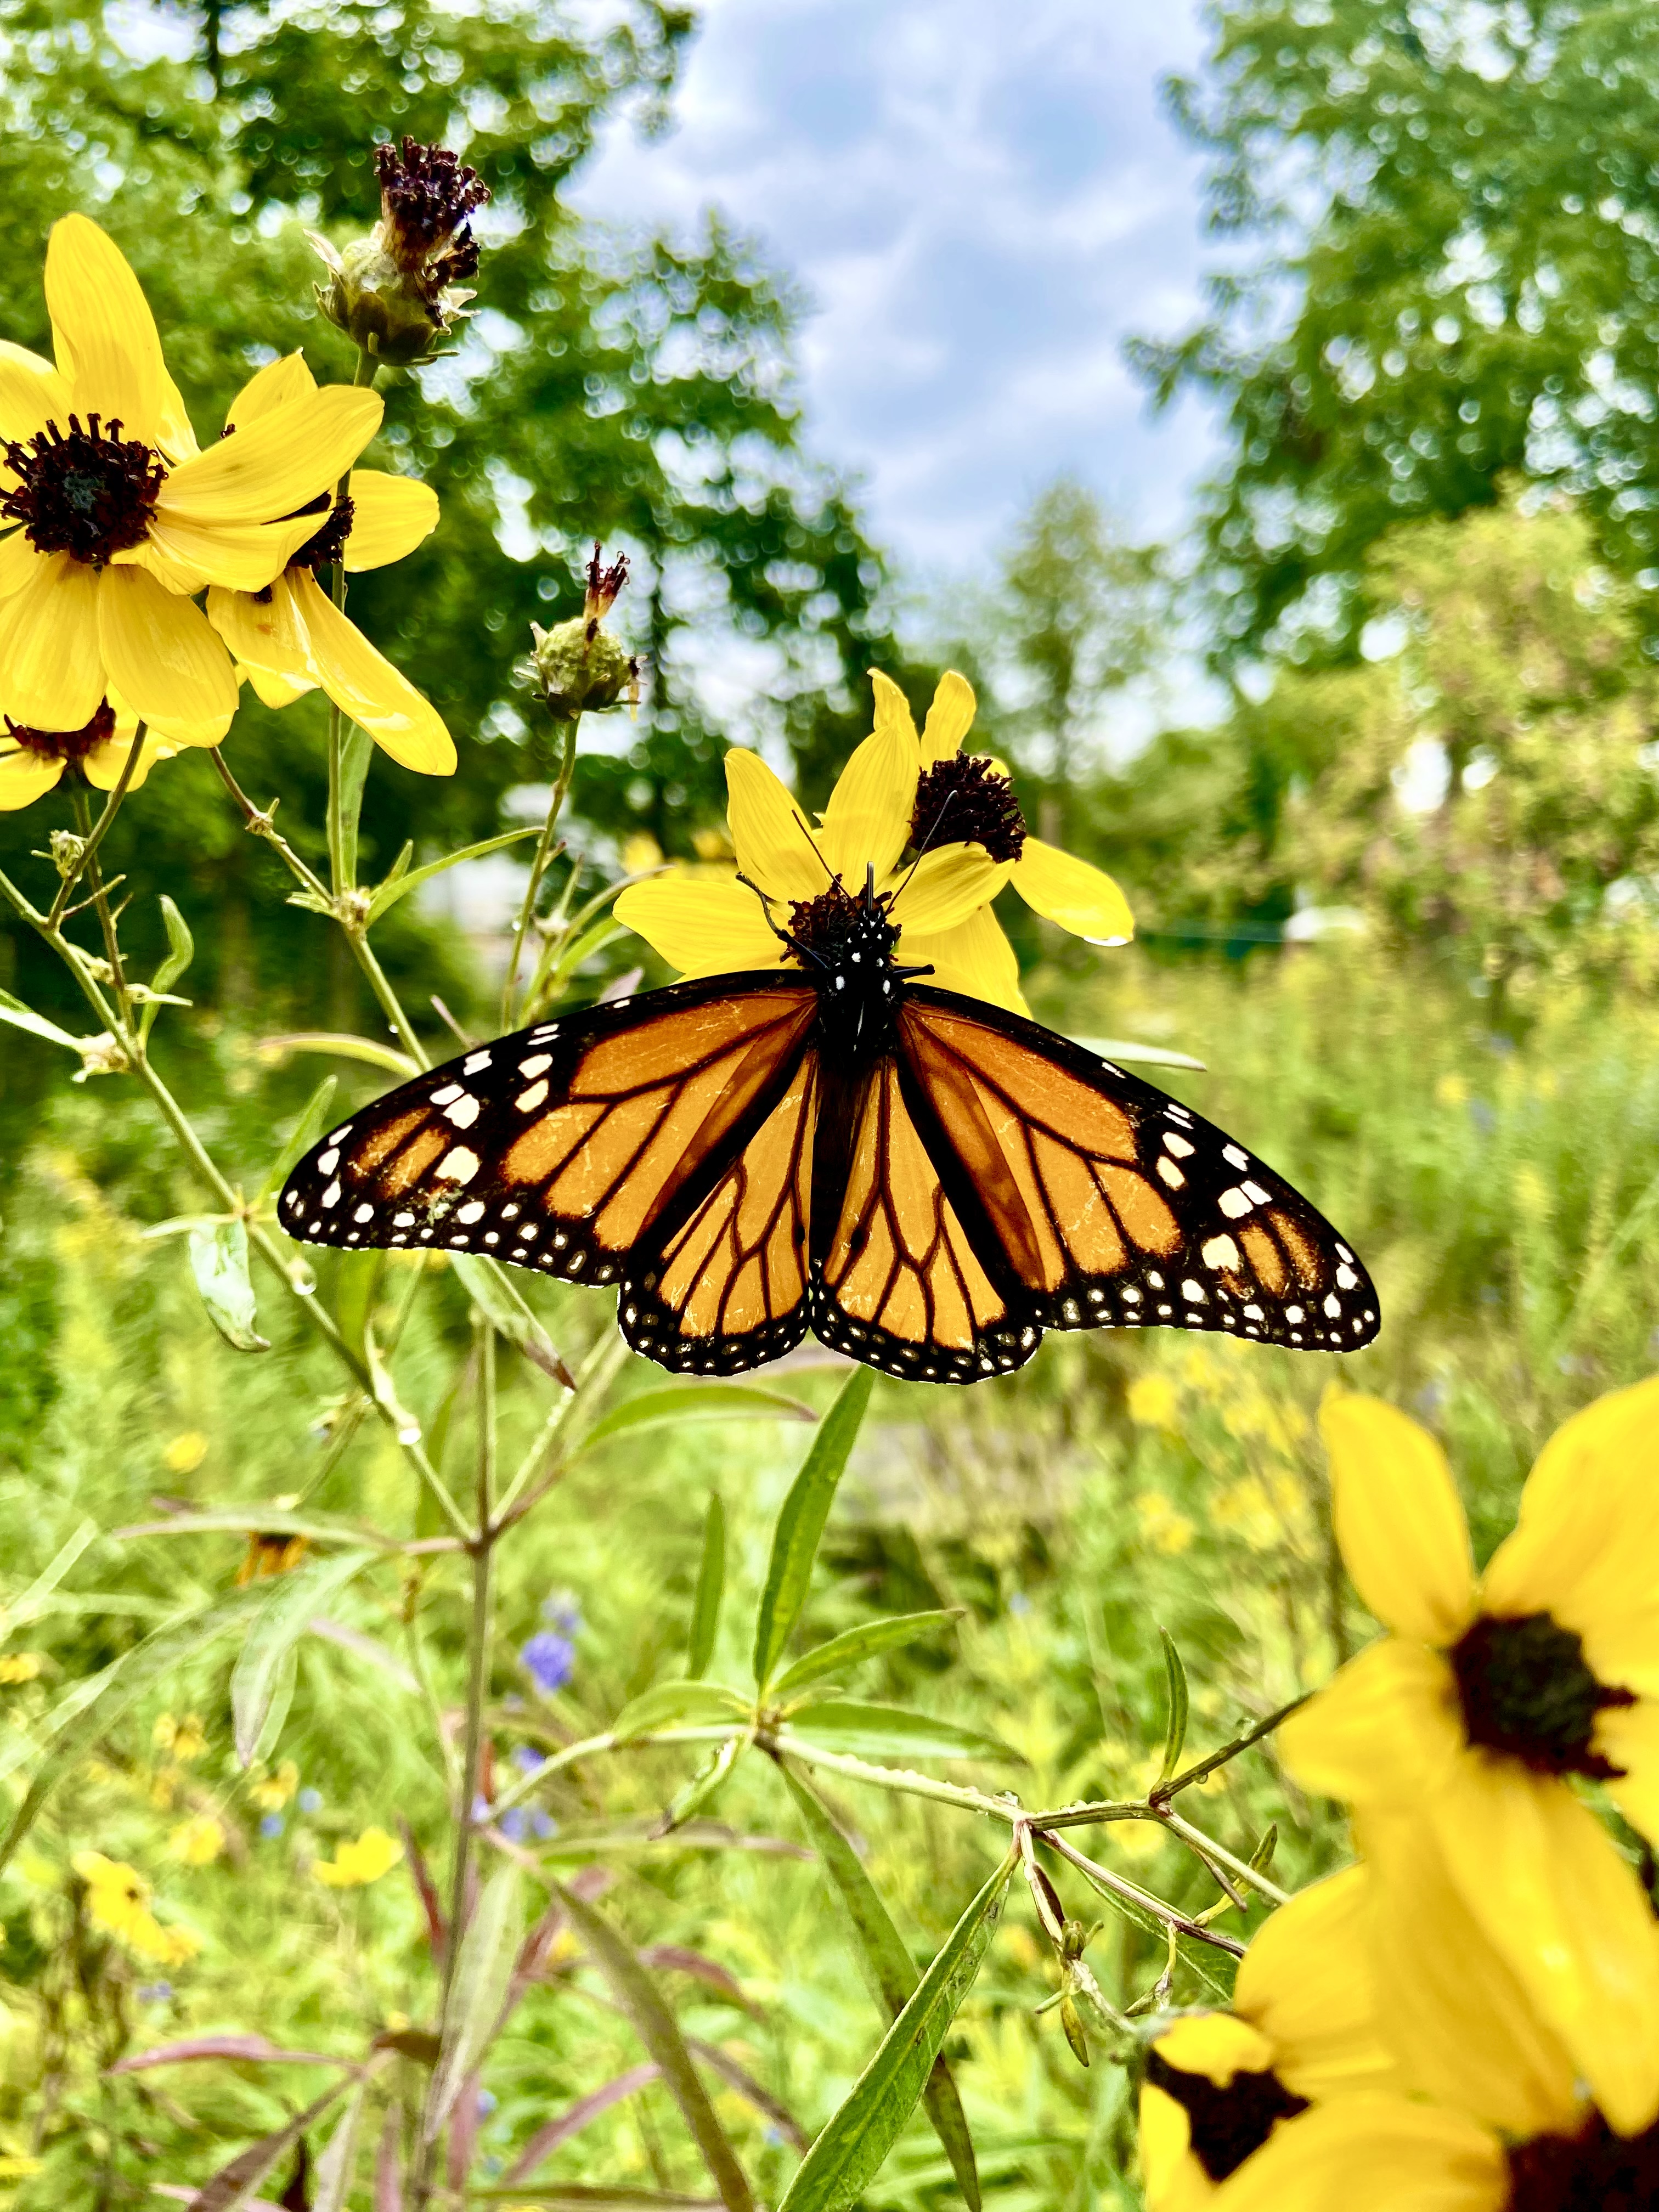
(577, 665)
(394, 293)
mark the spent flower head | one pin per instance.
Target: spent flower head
(395, 293)
(577, 667)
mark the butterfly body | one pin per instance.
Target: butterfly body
(925, 1180)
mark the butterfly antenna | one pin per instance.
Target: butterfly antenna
(922, 848)
(804, 952)
(807, 833)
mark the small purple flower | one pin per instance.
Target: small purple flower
(563, 1611)
(271, 1825)
(310, 1800)
(486, 2102)
(480, 1809)
(154, 1992)
(515, 1823)
(528, 1759)
(550, 1659)
(541, 1825)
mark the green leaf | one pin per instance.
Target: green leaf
(703, 1787)
(656, 2029)
(484, 1972)
(800, 1523)
(854, 2146)
(18, 1015)
(889, 1732)
(676, 1402)
(332, 2179)
(181, 950)
(1261, 1857)
(1176, 1733)
(86, 1711)
(887, 1967)
(218, 1260)
(1149, 1055)
(357, 1279)
(356, 751)
(854, 1644)
(711, 1585)
(249, 1520)
(232, 2188)
(289, 1601)
(502, 1305)
(403, 879)
(339, 1045)
(305, 1133)
(677, 1704)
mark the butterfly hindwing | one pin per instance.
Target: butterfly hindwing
(1113, 1204)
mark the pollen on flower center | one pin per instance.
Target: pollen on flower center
(328, 545)
(69, 745)
(1591, 2172)
(961, 800)
(1526, 1690)
(1226, 2126)
(89, 493)
(834, 925)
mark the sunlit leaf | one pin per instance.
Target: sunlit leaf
(1175, 1729)
(854, 1644)
(403, 879)
(504, 1307)
(675, 1403)
(181, 950)
(289, 1601)
(800, 1523)
(331, 2177)
(891, 1732)
(677, 1704)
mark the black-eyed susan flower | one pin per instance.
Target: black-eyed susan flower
(33, 761)
(112, 518)
(1492, 1701)
(355, 1864)
(939, 897)
(1221, 2086)
(291, 637)
(117, 1900)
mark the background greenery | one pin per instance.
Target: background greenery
(1426, 583)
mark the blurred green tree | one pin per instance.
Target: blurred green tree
(1453, 214)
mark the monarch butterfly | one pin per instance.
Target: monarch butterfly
(925, 1180)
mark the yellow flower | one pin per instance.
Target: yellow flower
(18, 2166)
(272, 1792)
(291, 637)
(32, 761)
(1220, 2086)
(1245, 1509)
(374, 1853)
(1152, 1402)
(186, 1739)
(1472, 1716)
(120, 519)
(118, 1899)
(185, 1453)
(20, 1667)
(940, 904)
(1162, 1526)
(197, 1841)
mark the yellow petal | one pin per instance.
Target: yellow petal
(174, 431)
(1071, 893)
(390, 516)
(277, 463)
(975, 958)
(32, 393)
(948, 719)
(160, 652)
(946, 887)
(892, 709)
(24, 777)
(1628, 1737)
(867, 821)
(1306, 1983)
(51, 665)
(1448, 2005)
(17, 559)
(1399, 1522)
(364, 685)
(1587, 1540)
(701, 928)
(276, 385)
(1217, 2046)
(277, 691)
(103, 333)
(104, 763)
(1387, 1730)
(186, 553)
(1372, 2153)
(773, 841)
(1172, 2178)
(268, 636)
(1544, 1880)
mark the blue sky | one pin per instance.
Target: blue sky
(980, 201)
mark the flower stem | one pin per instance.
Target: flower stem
(339, 872)
(538, 866)
(262, 826)
(95, 838)
(102, 907)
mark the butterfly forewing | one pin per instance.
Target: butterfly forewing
(1114, 1204)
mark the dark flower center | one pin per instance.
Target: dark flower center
(1225, 2126)
(1526, 1690)
(961, 800)
(88, 492)
(834, 927)
(69, 745)
(426, 196)
(1595, 2171)
(328, 545)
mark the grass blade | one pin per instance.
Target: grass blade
(489, 1950)
(854, 1644)
(659, 2031)
(853, 2146)
(1176, 1733)
(800, 1523)
(290, 1603)
(711, 1586)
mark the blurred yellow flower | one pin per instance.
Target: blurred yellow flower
(289, 635)
(640, 852)
(899, 791)
(118, 518)
(374, 1853)
(185, 1453)
(118, 1899)
(185, 1739)
(1451, 1090)
(1473, 1717)
(197, 1841)
(1152, 1402)
(20, 1666)
(1162, 1526)
(1245, 1509)
(18, 2166)
(270, 1792)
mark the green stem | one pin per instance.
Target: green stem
(782, 1743)
(102, 907)
(1206, 1847)
(263, 825)
(111, 808)
(593, 1747)
(539, 866)
(366, 370)
(379, 982)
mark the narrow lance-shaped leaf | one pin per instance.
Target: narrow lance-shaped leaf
(339, 1045)
(1176, 1733)
(854, 2146)
(232, 2186)
(800, 1523)
(503, 1306)
(887, 1967)
(676, 1403)
(312, 1120)
(218, 1260)
(711, 1586)
(891, 1732)
(677, 1705)
(355, 756)
(290, 1599)
(854, 1646)
(483, 1973)
(181, 950)
(657, 2030)
(331, 2181)
(18, 1015)
(703, 1788)
(403, 879)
